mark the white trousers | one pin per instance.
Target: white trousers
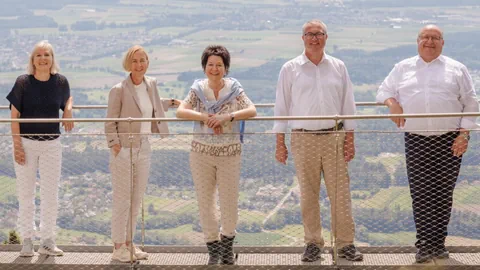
(208, 172)
(46, 157)
(126, 202)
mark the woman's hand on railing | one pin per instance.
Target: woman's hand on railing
(218, 130)
(216, 120)
(174, 103)
(68, 114)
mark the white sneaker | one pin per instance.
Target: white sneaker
(27, 248)
(48, 247)
(140, 254)
(122, 254)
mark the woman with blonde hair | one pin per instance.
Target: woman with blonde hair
(136, 97)
(40, 93)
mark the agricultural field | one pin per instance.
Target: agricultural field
(91, 39)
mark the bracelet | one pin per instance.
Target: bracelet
(232, 117)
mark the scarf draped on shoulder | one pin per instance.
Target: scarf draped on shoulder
(214, 106)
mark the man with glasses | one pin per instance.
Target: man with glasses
(317, 84)
(431, 83)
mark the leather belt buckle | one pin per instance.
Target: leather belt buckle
(321, 131)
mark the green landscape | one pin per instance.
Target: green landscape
(90, 38)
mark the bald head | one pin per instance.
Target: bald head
(430, 42)
(431, 27)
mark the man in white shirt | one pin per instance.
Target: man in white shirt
(431, 83)
(317, 84)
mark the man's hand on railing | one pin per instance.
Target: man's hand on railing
(349, 147)
(19, 154)
(395, 108)
(460, 145)
(116, 149)
(281, 153)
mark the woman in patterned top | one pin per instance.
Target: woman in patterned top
(40, 93)
(216, 104)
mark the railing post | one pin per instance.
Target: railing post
(143, 220)
(130, 141)
(333, 235)
(143, 224)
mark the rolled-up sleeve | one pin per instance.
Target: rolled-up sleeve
(348, 106)
(468, 98)
(282, 99)
(388, 87)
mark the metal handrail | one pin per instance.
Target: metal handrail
(258, 105)
(258, 118)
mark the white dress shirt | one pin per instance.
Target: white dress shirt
(145, 106)
(441, 86)
(306, 89)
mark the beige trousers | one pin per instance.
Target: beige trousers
(315, 154)
(210, 172)
(125, 205)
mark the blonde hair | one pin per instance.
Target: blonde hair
(317, 22)
(44, 44)
(127, 59)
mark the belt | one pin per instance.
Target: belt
(320, 131)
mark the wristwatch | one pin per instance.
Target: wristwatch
(232, 117)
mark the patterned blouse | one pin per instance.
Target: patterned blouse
(205, 142)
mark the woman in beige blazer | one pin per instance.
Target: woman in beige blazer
(136, 97)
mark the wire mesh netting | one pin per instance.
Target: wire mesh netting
(234, 203)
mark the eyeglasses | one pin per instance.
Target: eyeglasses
(433, 38)
(310, 35)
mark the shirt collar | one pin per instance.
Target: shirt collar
(440, 58)
(304, 59)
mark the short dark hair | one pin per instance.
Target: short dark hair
(217, 50)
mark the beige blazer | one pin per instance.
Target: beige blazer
(123, 102)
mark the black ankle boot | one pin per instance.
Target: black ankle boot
(214, 251)
(228, 257)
